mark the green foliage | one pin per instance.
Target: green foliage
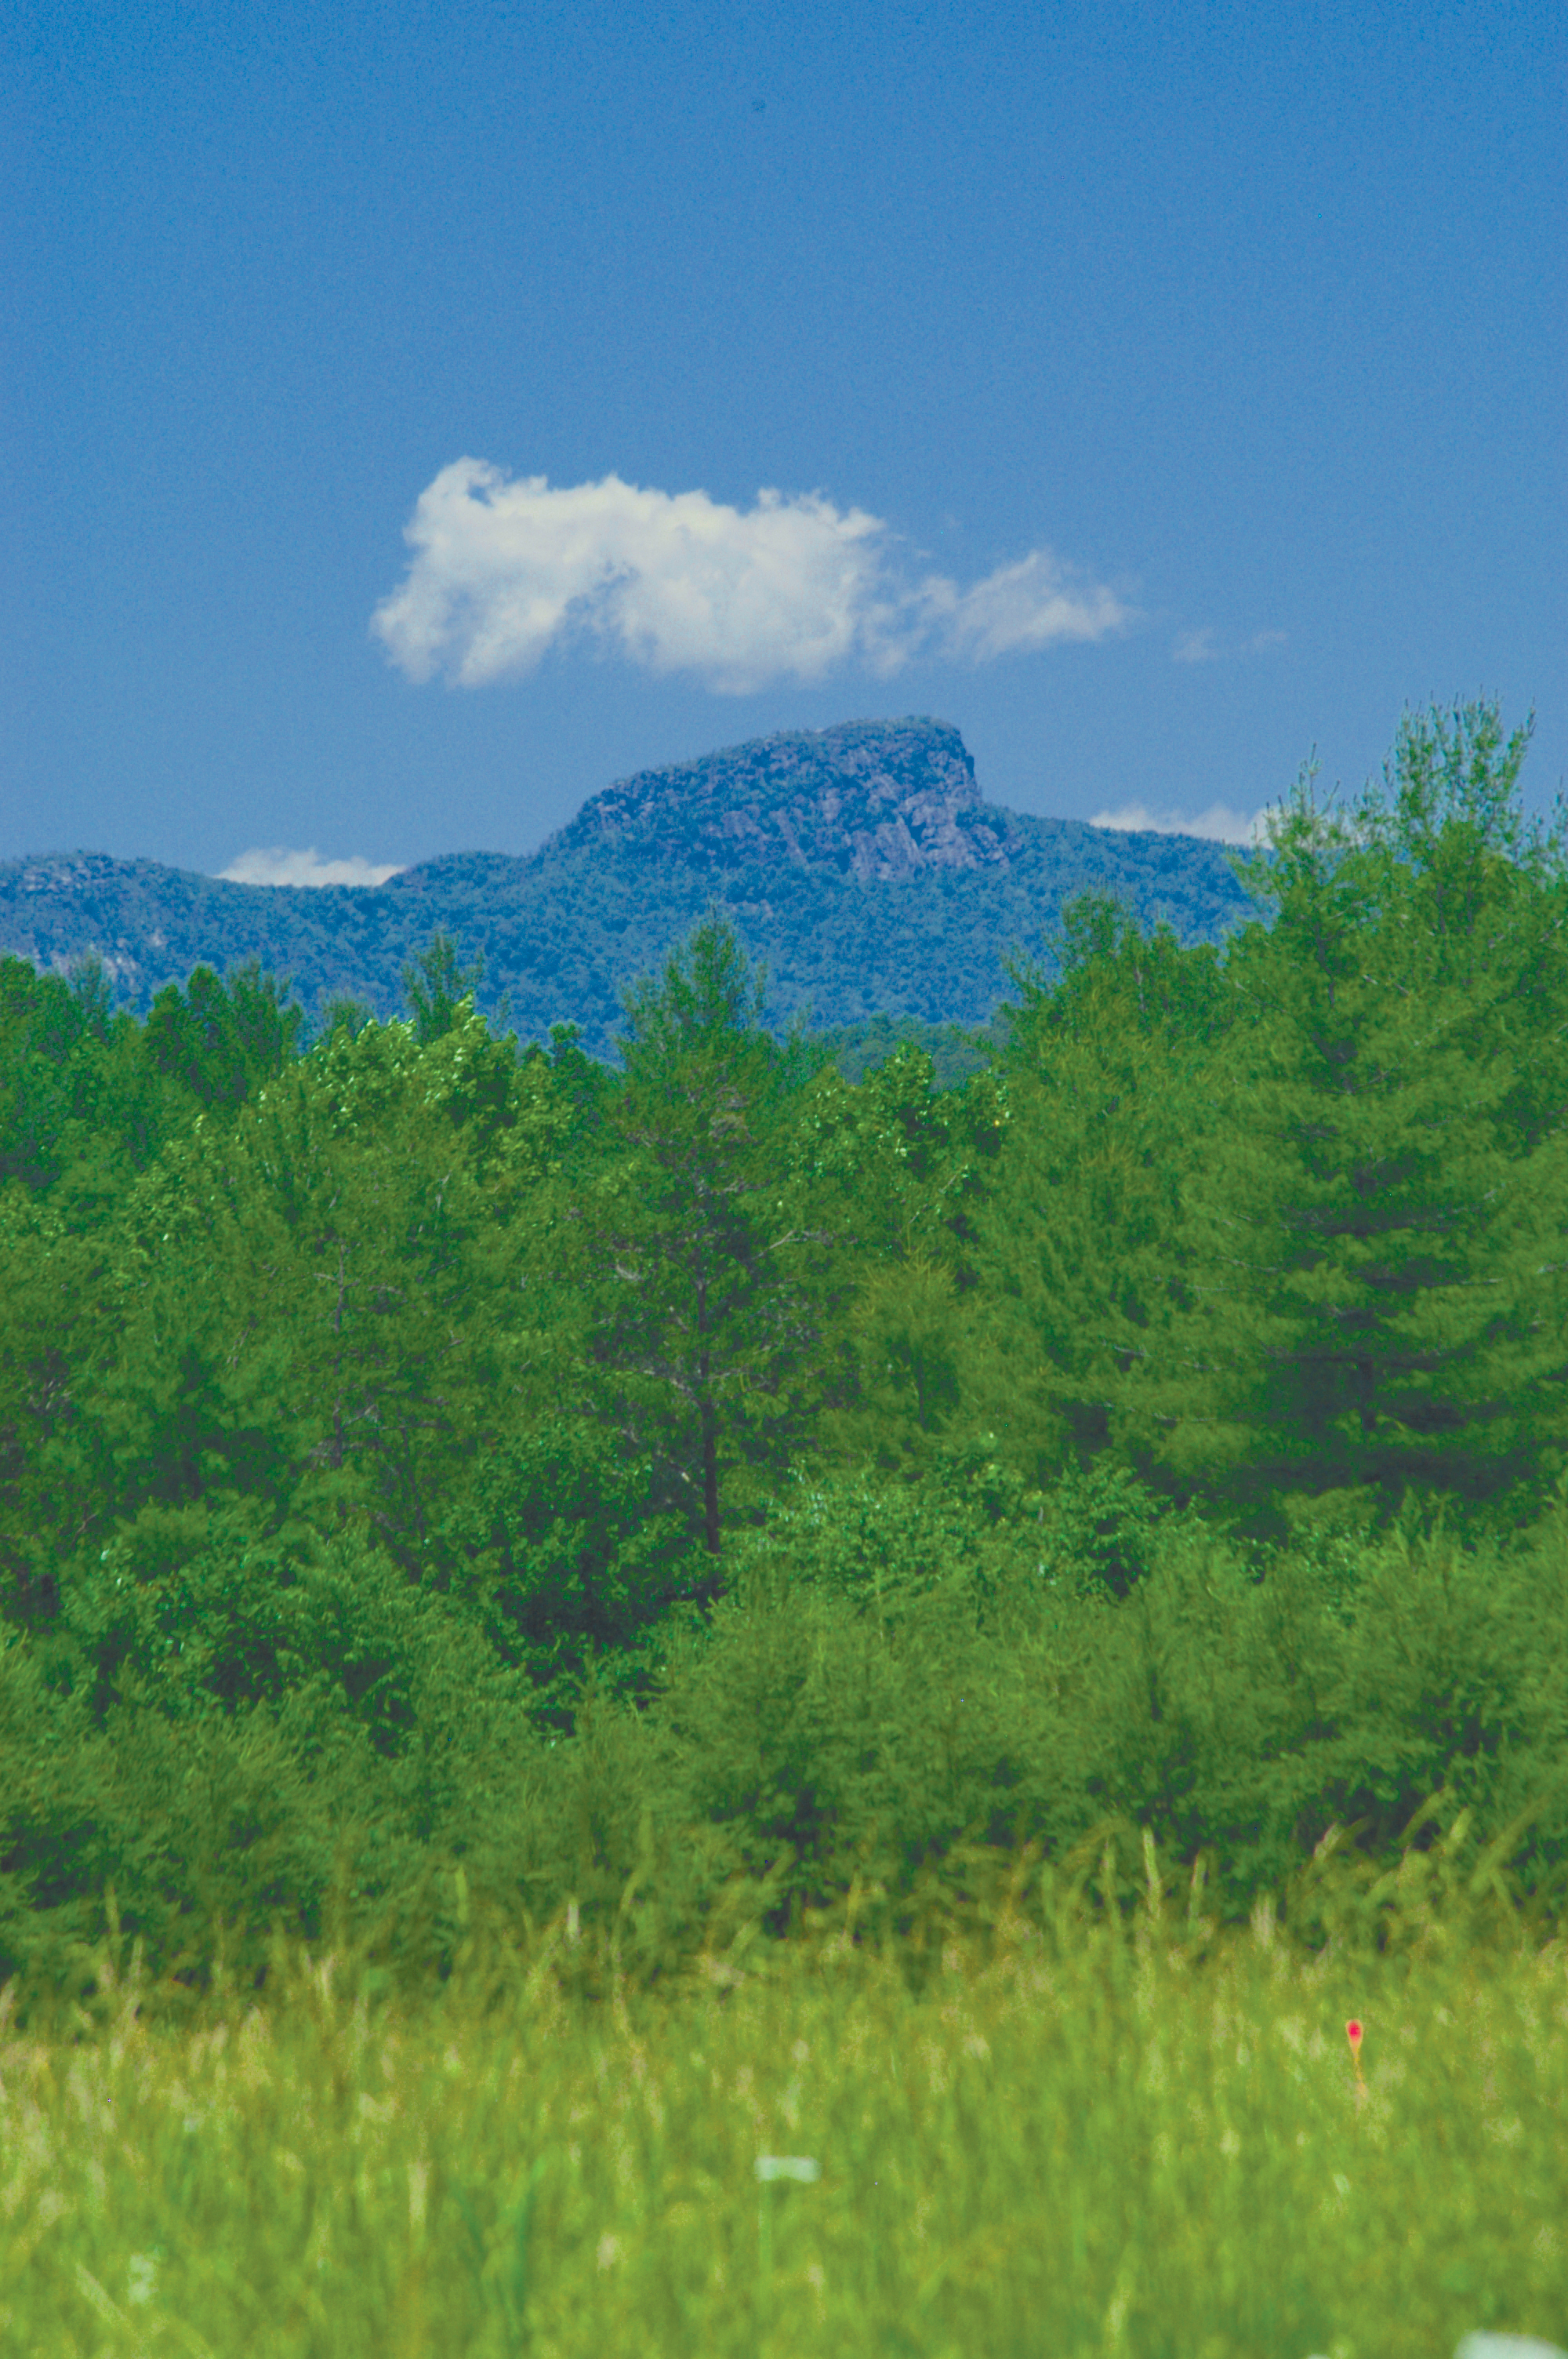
(898, 1171)
(1103, 1526)
(227, 1728)
(1082, 1236)
(876, 1541)
(221, 1731)
(957, 1051)
(219, 1041)
(695, 1264)
(573, 1551)
(438, 989)
(716, 1479)
(77, 1095)
(1374, 1292)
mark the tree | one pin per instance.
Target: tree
(436, 988)
(897, 1171)
(222, 1042)
(1376, 1236)
(1080, 1253)
(309, 1310)
(701, 1328)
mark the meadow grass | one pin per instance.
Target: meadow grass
(1050, 2137)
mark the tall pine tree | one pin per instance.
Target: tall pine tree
(694, 1263)
(1081, 1232)
(1376, 1285)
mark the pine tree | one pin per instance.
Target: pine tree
(701, 1327)
(1081, 1231)
(1377, 1291)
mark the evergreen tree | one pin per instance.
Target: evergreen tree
(1081, 1253)
(702, 1329)
(896, 1171)
(222, 1042)
(75, 1088)
(436, 988)
(1376, 1290)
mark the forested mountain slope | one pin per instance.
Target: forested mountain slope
(859, 862)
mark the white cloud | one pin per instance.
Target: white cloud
(787, 590)
(1218, 824)
(1203, 647)
(1029, 604)
(277, 866)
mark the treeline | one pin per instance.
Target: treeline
(418, 1450)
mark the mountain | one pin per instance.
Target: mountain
(861, 863)
(872, 800)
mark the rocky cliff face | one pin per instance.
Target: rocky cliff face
(872, 800)
(70, 903)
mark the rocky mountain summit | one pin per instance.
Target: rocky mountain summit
(872, 800)
(861, 864)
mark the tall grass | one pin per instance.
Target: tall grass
(1059, 2133)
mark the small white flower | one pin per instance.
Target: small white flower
(1507, 2346)
(142, 2276)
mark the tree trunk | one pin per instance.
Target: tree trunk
(709, 1476)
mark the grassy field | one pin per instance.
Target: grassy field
(1050, 2137)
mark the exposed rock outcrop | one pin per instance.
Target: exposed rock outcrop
(874, 799)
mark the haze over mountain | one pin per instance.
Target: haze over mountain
(861, 861)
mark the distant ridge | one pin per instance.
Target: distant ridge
(861, 861)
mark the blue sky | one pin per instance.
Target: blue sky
(1154, 394)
